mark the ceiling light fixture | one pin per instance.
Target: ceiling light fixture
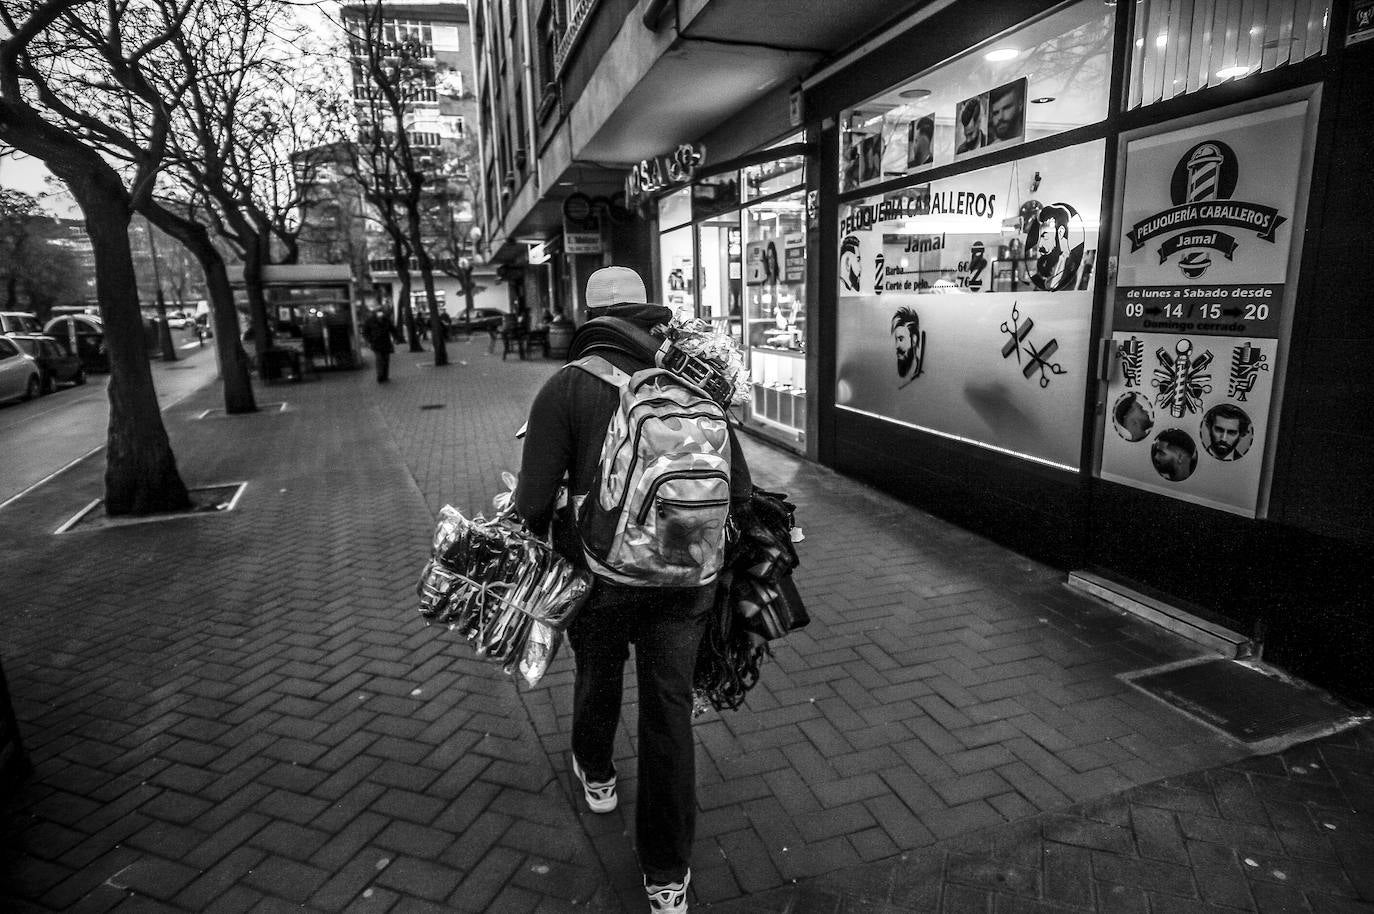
(1042, 100)
(914, 93)
(1232, 72)
(1000, 54)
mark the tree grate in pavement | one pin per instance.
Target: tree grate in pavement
(216, 499)
(1241, 700)
(219, 413)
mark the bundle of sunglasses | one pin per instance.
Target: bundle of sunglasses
(506, 592)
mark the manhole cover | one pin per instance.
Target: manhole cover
(1242, 701)
(433, 405)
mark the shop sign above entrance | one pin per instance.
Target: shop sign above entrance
(581, 226)
(663, 171)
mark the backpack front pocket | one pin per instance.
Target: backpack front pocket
(679, 517)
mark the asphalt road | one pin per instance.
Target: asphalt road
(46, 435)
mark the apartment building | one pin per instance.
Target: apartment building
(439, 123)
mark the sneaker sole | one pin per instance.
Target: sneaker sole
(595, 805)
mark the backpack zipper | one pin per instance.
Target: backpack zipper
(681, 474)
(639, 433)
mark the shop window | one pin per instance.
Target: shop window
(966, 303)
(1042, 78)
(774, 318)
(1181, 47)
(675, 209)
(679, 271)
(715, 195)
(774, 177)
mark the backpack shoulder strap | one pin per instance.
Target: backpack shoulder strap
(599, 367)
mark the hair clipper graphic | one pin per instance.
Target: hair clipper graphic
(1246, 364)
(1131, 353)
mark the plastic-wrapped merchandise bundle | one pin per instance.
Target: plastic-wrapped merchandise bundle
(507, 593)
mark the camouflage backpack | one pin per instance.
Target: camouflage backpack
(655, 514)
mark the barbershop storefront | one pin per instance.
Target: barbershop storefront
(1074, 293)
(732, 250)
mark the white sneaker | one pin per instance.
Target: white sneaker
(670, 898)
(600, 794)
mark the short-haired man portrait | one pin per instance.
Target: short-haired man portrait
(1007, 112)
(1174, 454)
(920, 141)
(910, 342)
(1132, 417)
(1052, 243)
(1227, 432)
(970, 124)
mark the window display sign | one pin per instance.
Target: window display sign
(1188, 414)
(1207, 218)
(965, 304)
(1207, 223)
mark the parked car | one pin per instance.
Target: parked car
(57, 365)
(482, 320)
(178, 320)
(20, 377)
(82, 335)
(19, 322)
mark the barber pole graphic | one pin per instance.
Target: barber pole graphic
(1182, 381)
(1204, 173)
(879, 269)
(1246, 364)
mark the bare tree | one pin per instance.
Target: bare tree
(54, 52)
(256, 100)
(395, 71)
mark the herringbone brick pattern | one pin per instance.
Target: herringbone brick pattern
(1291, 832)
(243, 711)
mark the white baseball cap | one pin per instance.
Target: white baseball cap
(615, 286)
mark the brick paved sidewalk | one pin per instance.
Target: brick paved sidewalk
(241, 712)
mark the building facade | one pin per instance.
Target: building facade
(440, 108)
(1080, 276)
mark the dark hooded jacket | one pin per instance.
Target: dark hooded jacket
(567, 426)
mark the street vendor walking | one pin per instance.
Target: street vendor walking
(565, 434)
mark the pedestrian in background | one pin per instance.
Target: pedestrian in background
(378, 332)
(567, 426)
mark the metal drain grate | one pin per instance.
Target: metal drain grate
(433, 405)
(1240, 700)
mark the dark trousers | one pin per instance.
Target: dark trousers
(666, 627)
(383, 364)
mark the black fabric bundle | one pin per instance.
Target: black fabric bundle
(756, 601)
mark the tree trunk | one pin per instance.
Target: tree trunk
(436, 329)
(233, 360)
(253, 262)
(140, 470)
(398, 255)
